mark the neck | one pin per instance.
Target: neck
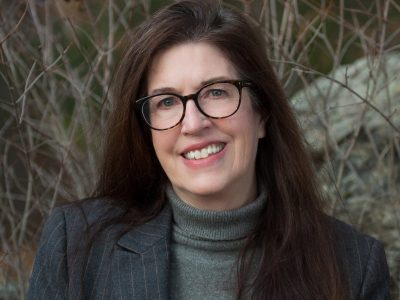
(201, 225)
(228, 199)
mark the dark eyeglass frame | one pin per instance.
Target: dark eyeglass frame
(239, 84)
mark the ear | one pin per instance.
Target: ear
(261, 128)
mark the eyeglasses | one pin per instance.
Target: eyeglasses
(215, 100)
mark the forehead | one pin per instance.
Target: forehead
(187, 65)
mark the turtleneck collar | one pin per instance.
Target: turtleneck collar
(206, 225)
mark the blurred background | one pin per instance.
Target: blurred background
(339, 62)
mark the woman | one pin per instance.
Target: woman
(206, 190)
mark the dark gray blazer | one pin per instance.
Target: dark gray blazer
(135, 265)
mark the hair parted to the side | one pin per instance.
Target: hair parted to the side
(299, 259)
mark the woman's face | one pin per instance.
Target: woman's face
(222, 180)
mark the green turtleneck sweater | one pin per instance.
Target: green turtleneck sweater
(205, 247)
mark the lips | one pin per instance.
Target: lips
(204, 152)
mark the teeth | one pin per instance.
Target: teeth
(204, 152)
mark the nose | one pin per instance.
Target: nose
(194, 120)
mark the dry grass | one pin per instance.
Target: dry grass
(56, 64)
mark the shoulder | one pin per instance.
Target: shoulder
(86, 217)
(80, 215)
(65, 227)
(66, 218)
(353, 240)
(90, 210)
(62, 260)
(364, 262)
(356, 245)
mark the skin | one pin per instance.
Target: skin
(223, 181)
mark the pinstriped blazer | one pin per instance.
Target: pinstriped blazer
(135, 265)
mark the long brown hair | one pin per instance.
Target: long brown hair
(299, 258)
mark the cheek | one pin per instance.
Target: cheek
(245, 132)
(159, 143)
(251, 128)
(163, 143)
(251, 132)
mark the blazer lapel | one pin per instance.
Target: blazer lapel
(141, 262)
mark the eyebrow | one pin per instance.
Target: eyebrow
(163, 90)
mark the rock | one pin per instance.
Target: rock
(359, 144)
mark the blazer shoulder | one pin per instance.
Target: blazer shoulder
(364, 261)
(90, 210)
(61, 237)
(350, 237)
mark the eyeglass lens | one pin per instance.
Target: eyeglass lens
(217, 100)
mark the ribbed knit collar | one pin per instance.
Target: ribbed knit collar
(215, 225)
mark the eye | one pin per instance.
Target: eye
(167, 102)
(217, 93)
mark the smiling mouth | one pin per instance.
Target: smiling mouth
(204, 152)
